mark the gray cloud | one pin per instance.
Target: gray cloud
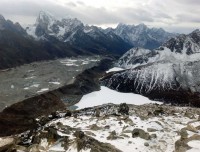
(179, 15)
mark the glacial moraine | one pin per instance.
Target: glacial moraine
(36, 78)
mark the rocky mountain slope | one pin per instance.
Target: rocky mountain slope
(113, 128)
(74, 32)
(169, 73)
(142, 36)
(51, 38)
(17, 47)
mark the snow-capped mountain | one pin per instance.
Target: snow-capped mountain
(18, 48)
(74, 32)
(142, 36)
(47, 25)
(169, 73)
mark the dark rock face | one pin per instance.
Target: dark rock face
(21, 116)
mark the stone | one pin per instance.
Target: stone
(123, 109)
(151, 130)
(20, 148)
(191, 128)
(55, 115)
(158, 111)
(89, 133)
(97, 112)
(6, 143)
(146, 144)
(95, 127)
(112, 136)
(140, 133)
(107, 127)
(68, 113)
(153, 136)
(43, 120)
(183, 134)
(79, 134)
(129, 121)
(189, 115)
(181, 146)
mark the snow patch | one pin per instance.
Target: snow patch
(106, 95)
(43, 90)
(56, 83)
(195, 146)
(115, 69)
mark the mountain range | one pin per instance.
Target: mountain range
(142, 36)
(51, 38)
(169, 73)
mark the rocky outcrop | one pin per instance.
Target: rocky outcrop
(112, 131)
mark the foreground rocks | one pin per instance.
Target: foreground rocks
(141, 130)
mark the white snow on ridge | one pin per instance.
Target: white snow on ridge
(106, 95)
(115, 69)
(56, 83)
(43, 90)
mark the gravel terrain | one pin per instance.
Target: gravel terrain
(36, 78)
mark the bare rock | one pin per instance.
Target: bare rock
(151, 130)
(140, 133)
(6, 143)
(123, 109)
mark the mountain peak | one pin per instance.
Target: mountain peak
(142, 26)
(2, 18)
(197, 31)
(45, 17)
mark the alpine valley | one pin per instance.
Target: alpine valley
(71, 87)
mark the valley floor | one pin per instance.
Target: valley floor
(33, 79)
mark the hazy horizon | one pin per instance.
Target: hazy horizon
(179, 16)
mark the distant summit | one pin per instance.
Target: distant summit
(74, 32)
(142, 36)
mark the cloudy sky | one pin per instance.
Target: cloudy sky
(172, 15)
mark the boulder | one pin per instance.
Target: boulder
(112, 136)
(140, 133)
(6, 143)
(123, 109)
(151, 130)
(79, 134)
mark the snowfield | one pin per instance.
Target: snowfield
(106, 95)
